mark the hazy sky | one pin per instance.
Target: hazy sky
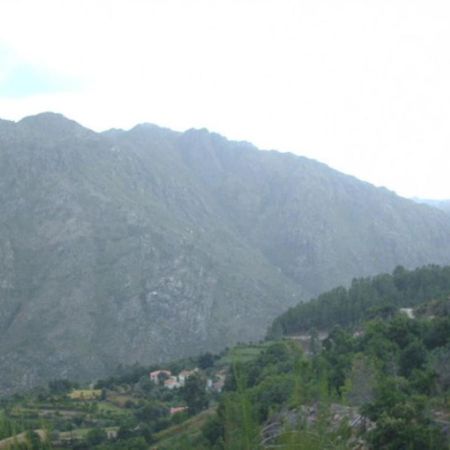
(361, 85)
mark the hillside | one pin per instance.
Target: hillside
(385, 387)
(148, 244)
(365, 299)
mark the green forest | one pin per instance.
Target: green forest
(366, 298)
(391, 383)
(378, 379)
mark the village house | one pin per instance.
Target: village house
(185, 374)
(172, 383)
(217, 383)
(177, 409)
(220, 382)
(156, 375)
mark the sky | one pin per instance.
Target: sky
(361, 85)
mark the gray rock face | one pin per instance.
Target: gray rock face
(148, 245)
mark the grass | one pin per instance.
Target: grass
(188, 429)
(85, 394)
(243, 353)
(105, 407)
(120, 400)
(18, 438)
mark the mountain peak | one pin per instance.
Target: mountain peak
(147, 127)
(50, 122)
(46, 117)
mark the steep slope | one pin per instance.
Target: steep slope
(319, 226)
(111, 254)
(146, 245)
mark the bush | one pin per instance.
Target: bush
(96, 436)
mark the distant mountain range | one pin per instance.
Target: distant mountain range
(149, 244)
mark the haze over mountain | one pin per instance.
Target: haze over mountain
(149, 244)
(444, 205)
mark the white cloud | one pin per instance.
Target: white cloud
(361, 85)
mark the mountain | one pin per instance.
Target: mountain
(444, 205)
(148, 244)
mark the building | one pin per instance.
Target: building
(178, 409)
(185, 374)
(172, 383)
(158, 374)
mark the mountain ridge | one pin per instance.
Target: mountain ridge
(148, 244)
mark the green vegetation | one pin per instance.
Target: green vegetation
(381, 382)
(87, 394)
(387, 386)
(126, 411)
(378, 296)
(242, 353)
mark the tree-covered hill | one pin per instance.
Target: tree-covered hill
(386, 387)
(366, 298)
